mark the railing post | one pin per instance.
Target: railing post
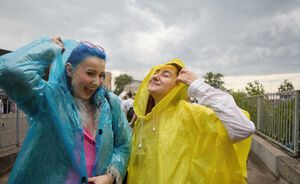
(296, 124)
(258, 112)
(18, 136)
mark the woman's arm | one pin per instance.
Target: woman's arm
(21, 72)
(122, 140)
(133, 119)
(239, 127)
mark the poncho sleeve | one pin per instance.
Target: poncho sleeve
(122, 137)
(21, 72)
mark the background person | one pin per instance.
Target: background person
(127, 106)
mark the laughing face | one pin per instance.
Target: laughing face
(162, 82)
(87, 76)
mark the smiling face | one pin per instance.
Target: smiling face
(162, 82)
(86, 77)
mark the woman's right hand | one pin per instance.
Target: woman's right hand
(58, 41)
(103, 179)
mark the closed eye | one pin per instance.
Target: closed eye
(90, 73)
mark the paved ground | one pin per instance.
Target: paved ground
(257, 172)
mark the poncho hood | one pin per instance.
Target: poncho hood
(179, 92)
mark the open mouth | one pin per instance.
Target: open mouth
(88, 91)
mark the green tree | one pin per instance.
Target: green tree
(215, 80)
(237, 96)
(120, 82)
(286, 86)
(255, 88)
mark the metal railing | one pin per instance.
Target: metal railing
(276, 117)
(13, 124)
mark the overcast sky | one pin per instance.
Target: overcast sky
(245, 40)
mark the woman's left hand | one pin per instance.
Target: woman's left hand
(187, 77)
(59, 42)
(103, 179)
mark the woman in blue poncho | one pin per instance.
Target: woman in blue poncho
(78, 132)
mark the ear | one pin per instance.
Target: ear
(69, 69)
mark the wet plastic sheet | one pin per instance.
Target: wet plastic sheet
(53, 150)
(189, 144)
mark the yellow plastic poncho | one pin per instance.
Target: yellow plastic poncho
(180, 142)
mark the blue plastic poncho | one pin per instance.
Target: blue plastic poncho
(53, 150)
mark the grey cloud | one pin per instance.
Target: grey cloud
(232, 37)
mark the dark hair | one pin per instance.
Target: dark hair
(129, 94)
(177, 67)
(150, 104)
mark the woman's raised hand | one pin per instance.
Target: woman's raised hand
(58, 41)
(187, 77)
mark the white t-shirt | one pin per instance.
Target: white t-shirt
(127, 104)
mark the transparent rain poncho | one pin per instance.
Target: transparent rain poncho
(180, 142)
(53, 151)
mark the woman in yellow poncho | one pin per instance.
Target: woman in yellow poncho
(179, 142)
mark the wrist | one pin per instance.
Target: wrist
(114, 174)
(110, 178)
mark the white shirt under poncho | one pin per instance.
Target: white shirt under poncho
(237, 124)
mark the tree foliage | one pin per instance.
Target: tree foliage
(238, 96)
(285, 86)
(255, 88)
(215, 80)
(120, 82)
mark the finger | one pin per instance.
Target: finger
(182, 71)
(180, 79)
(59, 39)
(59, 42)
(183, 76)
(92, 179)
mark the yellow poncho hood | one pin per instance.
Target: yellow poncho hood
(180, 142)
